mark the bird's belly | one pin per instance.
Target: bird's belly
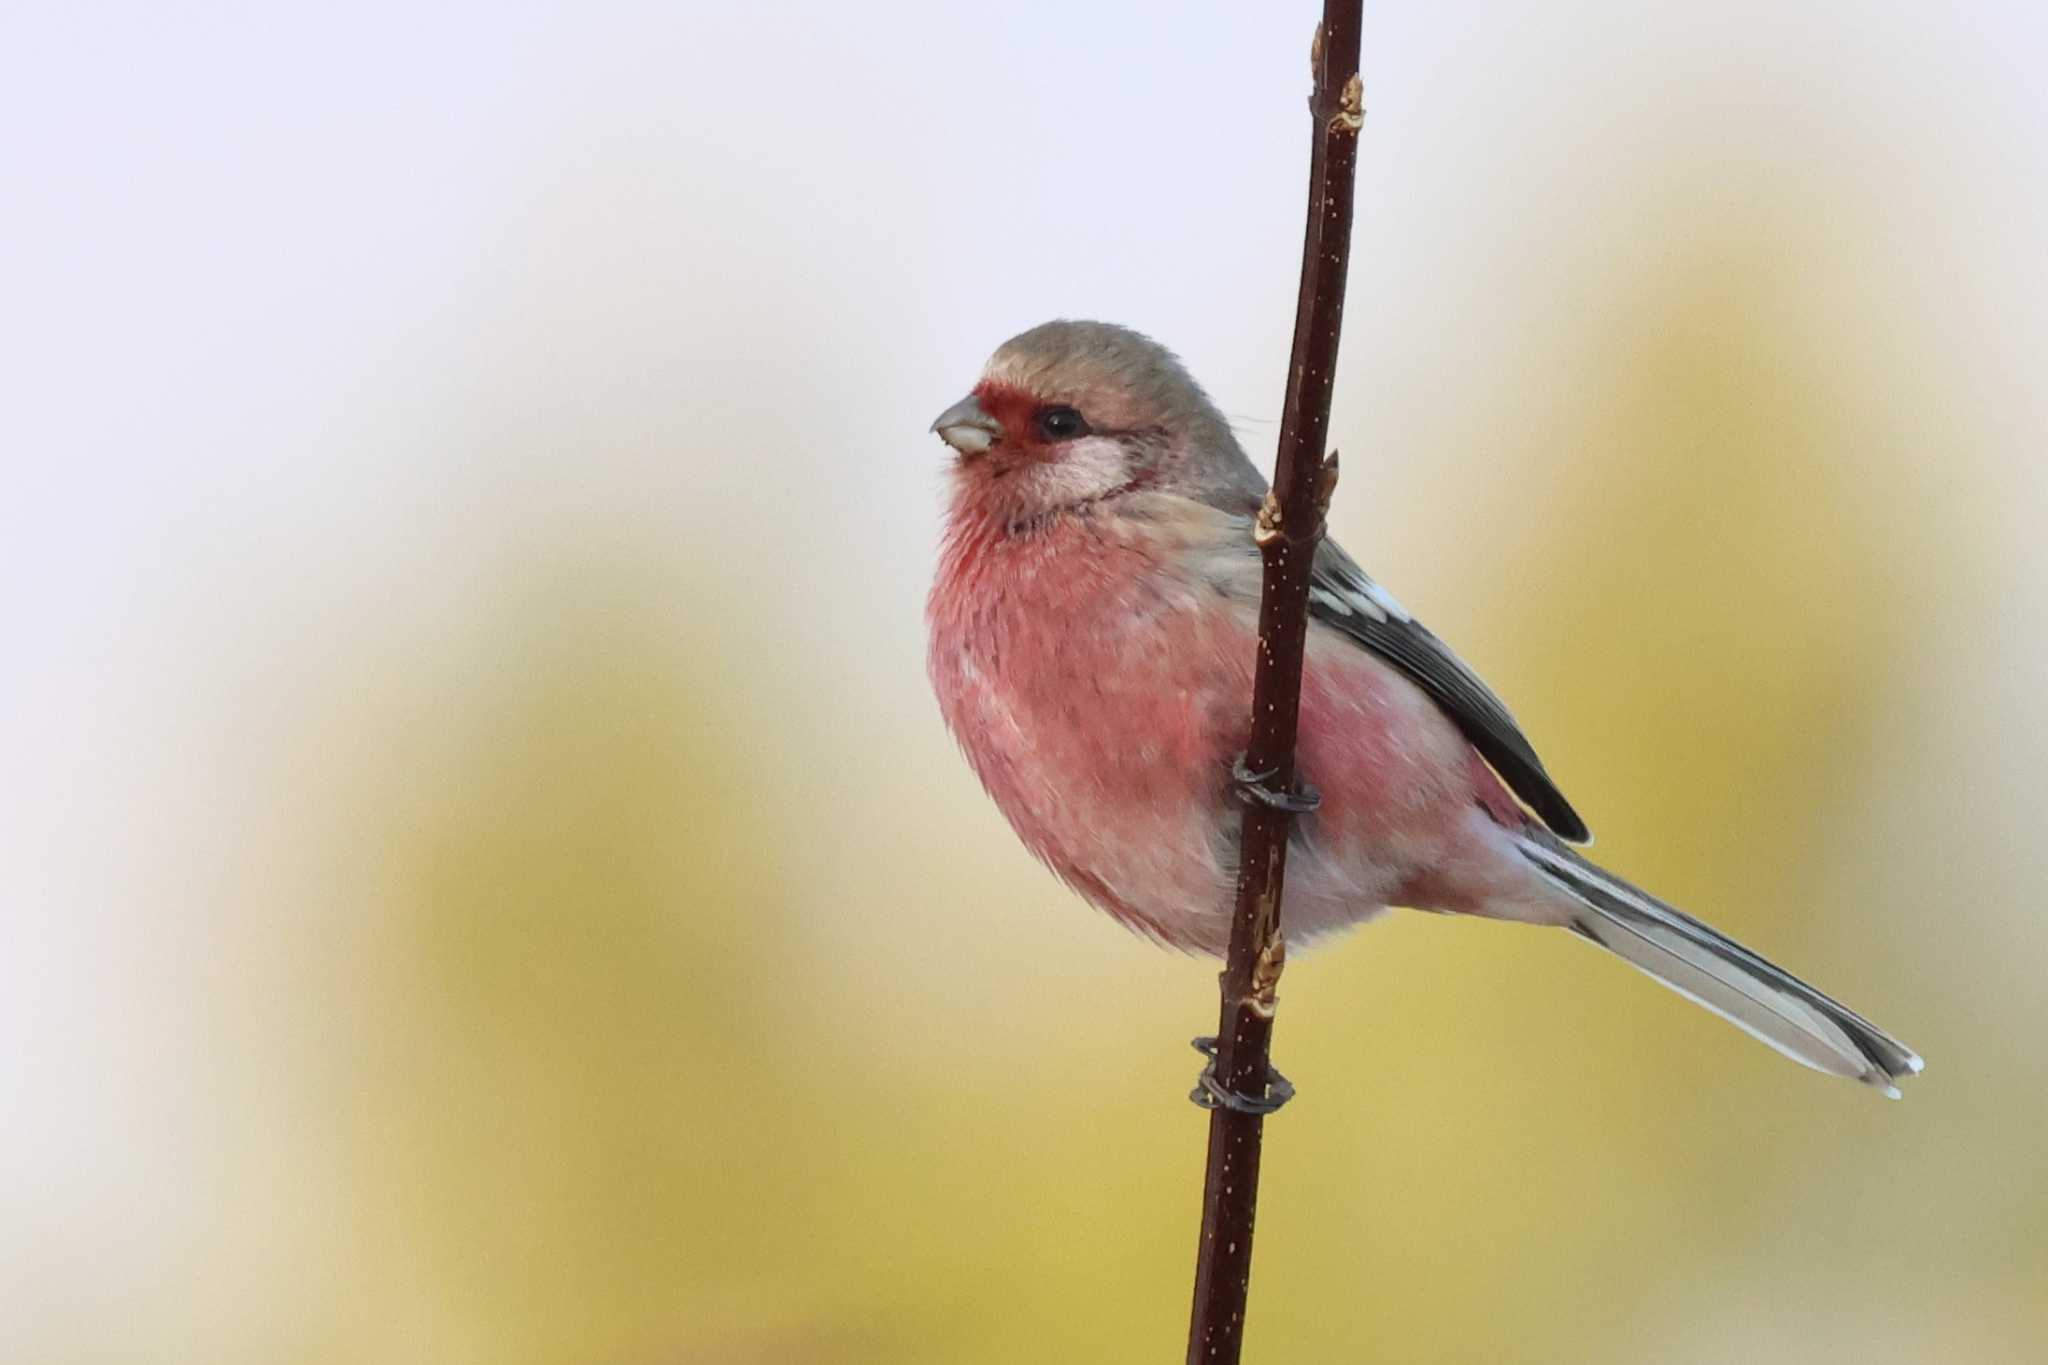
(1107, 737)
(1109, 752)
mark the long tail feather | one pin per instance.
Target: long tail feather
(1708, 967)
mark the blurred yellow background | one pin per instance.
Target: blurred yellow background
(484, 880)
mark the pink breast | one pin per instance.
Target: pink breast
(1101, 700)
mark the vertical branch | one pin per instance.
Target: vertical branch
(1290, 526)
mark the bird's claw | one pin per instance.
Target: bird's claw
(1251, 789)
(1211, 1093)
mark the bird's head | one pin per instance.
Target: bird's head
(1072, 413)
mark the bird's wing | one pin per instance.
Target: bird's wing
(1342, 597)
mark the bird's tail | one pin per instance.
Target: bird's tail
(1711, 969)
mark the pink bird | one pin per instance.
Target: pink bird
(1093, 628)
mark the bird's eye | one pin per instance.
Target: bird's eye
(1061, 424)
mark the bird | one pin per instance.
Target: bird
(1093, 626)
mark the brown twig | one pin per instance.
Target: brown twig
(1290, 526)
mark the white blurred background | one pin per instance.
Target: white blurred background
(482, 878)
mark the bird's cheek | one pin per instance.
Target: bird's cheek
(1087, 469)
(1021, 454)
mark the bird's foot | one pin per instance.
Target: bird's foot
(1210, 1092)
(1251, 789)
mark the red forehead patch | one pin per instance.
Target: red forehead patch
(1010, 405)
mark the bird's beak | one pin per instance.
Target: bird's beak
(968, 429)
